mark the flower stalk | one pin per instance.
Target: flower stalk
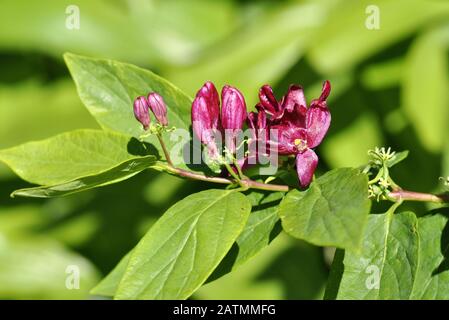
(164, 149)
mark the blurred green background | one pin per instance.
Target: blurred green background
(390, 87)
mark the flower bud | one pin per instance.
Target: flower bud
(202, 123)
(205, 117)
(233, 114)
(206, 113)
(141, 111)
(233, 109)
(158, 107)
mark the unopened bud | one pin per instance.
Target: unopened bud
(158, 107)
(141, 111)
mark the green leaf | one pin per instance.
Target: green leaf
(432, 278)
(333, 211)
(184, 246)
(274, 273)
(397, 157)
(388, 257)
(260, 230)
(258, 233)
(109, 285)
(71, 155)
(108, 89)
(424, 96)
(402, 257)
(116, 174)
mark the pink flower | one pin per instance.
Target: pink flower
(300, 128)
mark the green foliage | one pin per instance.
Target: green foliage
(333, 211)
(108, 89)
(121, 172)
(402, 257)
(182, 249)
(346, 27)
(185, 28)
(427, 72)
(73, 155)
(274, 273)
(262, 58)
(260, 229)
(388, 88)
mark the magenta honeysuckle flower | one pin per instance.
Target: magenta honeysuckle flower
(207, 120)
(156, 104)
(300, 128)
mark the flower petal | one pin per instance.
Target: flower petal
(306, 164)
(251, 120)
(267, 100)
(318, 120)
(295, 117)
(325, 91)
(294, 96)
(286, 139)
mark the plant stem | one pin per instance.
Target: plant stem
(244, 183)
(417, 196)
(397, 195)
(164, 149)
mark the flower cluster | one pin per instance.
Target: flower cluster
(288, 127)
(299, 128)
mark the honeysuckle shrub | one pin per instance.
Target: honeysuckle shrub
(262, 179)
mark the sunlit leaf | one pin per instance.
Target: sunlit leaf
(187, 243)
(333, 211)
